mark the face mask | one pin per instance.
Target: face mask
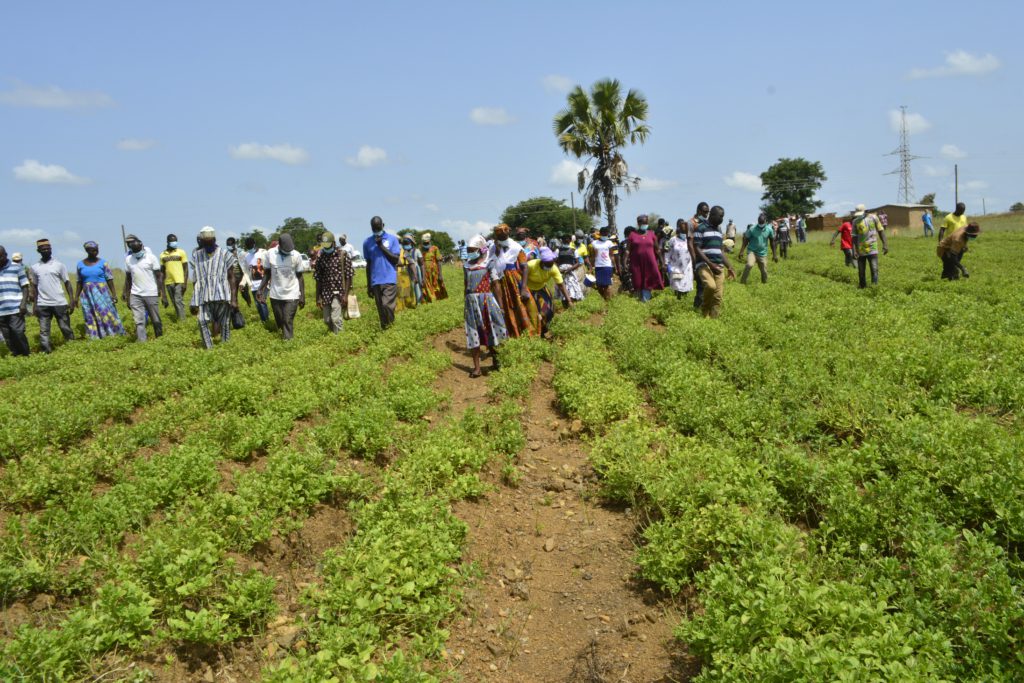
(172, 245)
(137, 253)
(505, 242)
(642, 228)
(327, 250)
(377, 231)
(342, 242)
(407, 247)
(972, 237)
(210, 248)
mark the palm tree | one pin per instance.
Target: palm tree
(596, 127)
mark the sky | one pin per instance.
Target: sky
(165, 117)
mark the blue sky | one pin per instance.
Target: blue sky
(169, 116)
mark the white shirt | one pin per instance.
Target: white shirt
(49, 279)
(255, 262)
(143, 268)
(350, 250)
(602, 249)
(508, 256)
(284, 283)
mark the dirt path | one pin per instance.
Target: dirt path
(556, 600)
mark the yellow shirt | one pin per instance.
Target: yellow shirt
(953, 222)
(537, 277)
(173, 261)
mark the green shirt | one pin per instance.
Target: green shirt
(757, 239)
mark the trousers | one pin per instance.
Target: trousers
(386, 298)
(141, 306)
(284, 315)
(951, 266)
(12, 327)
(46, 315)
(176, 293)
(714, 289)
(862, 264)
(762, 264)
(333, 310)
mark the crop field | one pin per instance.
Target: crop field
(825, 483)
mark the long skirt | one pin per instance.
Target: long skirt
(545, 306)
(485, 325)
(433, 285)
(572, 284)
(406, 290)
(521, 318)
(99, 311)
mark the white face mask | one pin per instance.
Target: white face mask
(505, 242)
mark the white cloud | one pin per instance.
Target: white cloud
(31, 171)
(461, 229)
(915, 122)
(20, 235)
(960, 63)
(838, 207)
(952, 152)
(135, 144)
(566, 172)
(434, 208)
(71, 236)
(490, 116)
(656, 184)
(286, 154)
(367, 156)
(52, 97)
(744, 181)
(935, 171)
(553, 83)
(975, 185)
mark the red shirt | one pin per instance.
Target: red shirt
(846, 235)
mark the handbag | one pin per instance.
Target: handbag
(237, 319)
(352, 310)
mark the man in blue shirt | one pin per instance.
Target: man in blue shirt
(381, 251)
(13, 304)
(926, 218)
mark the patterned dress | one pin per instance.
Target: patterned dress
(485, 324)
(408, 281)
(98, 309)
(433, 285)
(521, 318)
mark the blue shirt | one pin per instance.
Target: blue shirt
(380, 269)
(12, 279)
(927, 218)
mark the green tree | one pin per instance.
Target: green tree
(928, 199)
(257, 235)
(305, 234)
(595, 128)
(546, 216)
(790, 186)
(1019, 206)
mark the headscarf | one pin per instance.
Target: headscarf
(90, 245)
(546, 255)
(501, 231)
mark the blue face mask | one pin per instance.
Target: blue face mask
(172, 245)
(328, 250)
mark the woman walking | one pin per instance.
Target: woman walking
(485, 324)
(540, 272)
(517, 305)
(96, 293)
(643, 260)
(678, 263)
(433, 278)
(408, 275)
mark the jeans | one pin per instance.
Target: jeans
(12, 327)
(714, 286)
(46, 315)
(140, 307)
(214, 312)
(928, 230)
(762, 264)
(284, 315)
(862, 264)
(261, 308)
(333, 314)
(386, 298)
(176, 293)
(848, 253)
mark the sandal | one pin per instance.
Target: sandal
(475, 374)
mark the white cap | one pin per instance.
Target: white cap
(207, 231)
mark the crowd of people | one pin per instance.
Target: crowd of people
(513, 281)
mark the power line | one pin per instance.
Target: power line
(906, 189)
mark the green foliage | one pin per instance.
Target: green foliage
(790, 186)
(928, 199)
(547, 217)
(305, 234)
(1017, 207)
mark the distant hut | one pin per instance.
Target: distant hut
(824, 221)
(902, 215)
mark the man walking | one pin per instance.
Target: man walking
(867, 228)
(845, 234)
(381, 251)
(700, 215)
(174, 263)
(954, 221)
(284, 279)
(756, 241)
(707, 244)
(215, 292)
(144, 282)
(13, 304)
(952, 249)
(783, 236)
(51, 292)
(255, 260)
(926, 219)
(333, 274)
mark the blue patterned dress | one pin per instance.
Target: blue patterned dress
(485, 324)
(98, 307)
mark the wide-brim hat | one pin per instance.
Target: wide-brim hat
(860, 210)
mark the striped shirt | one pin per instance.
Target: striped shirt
(709, 240)
(12, 279)
(211, 275)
